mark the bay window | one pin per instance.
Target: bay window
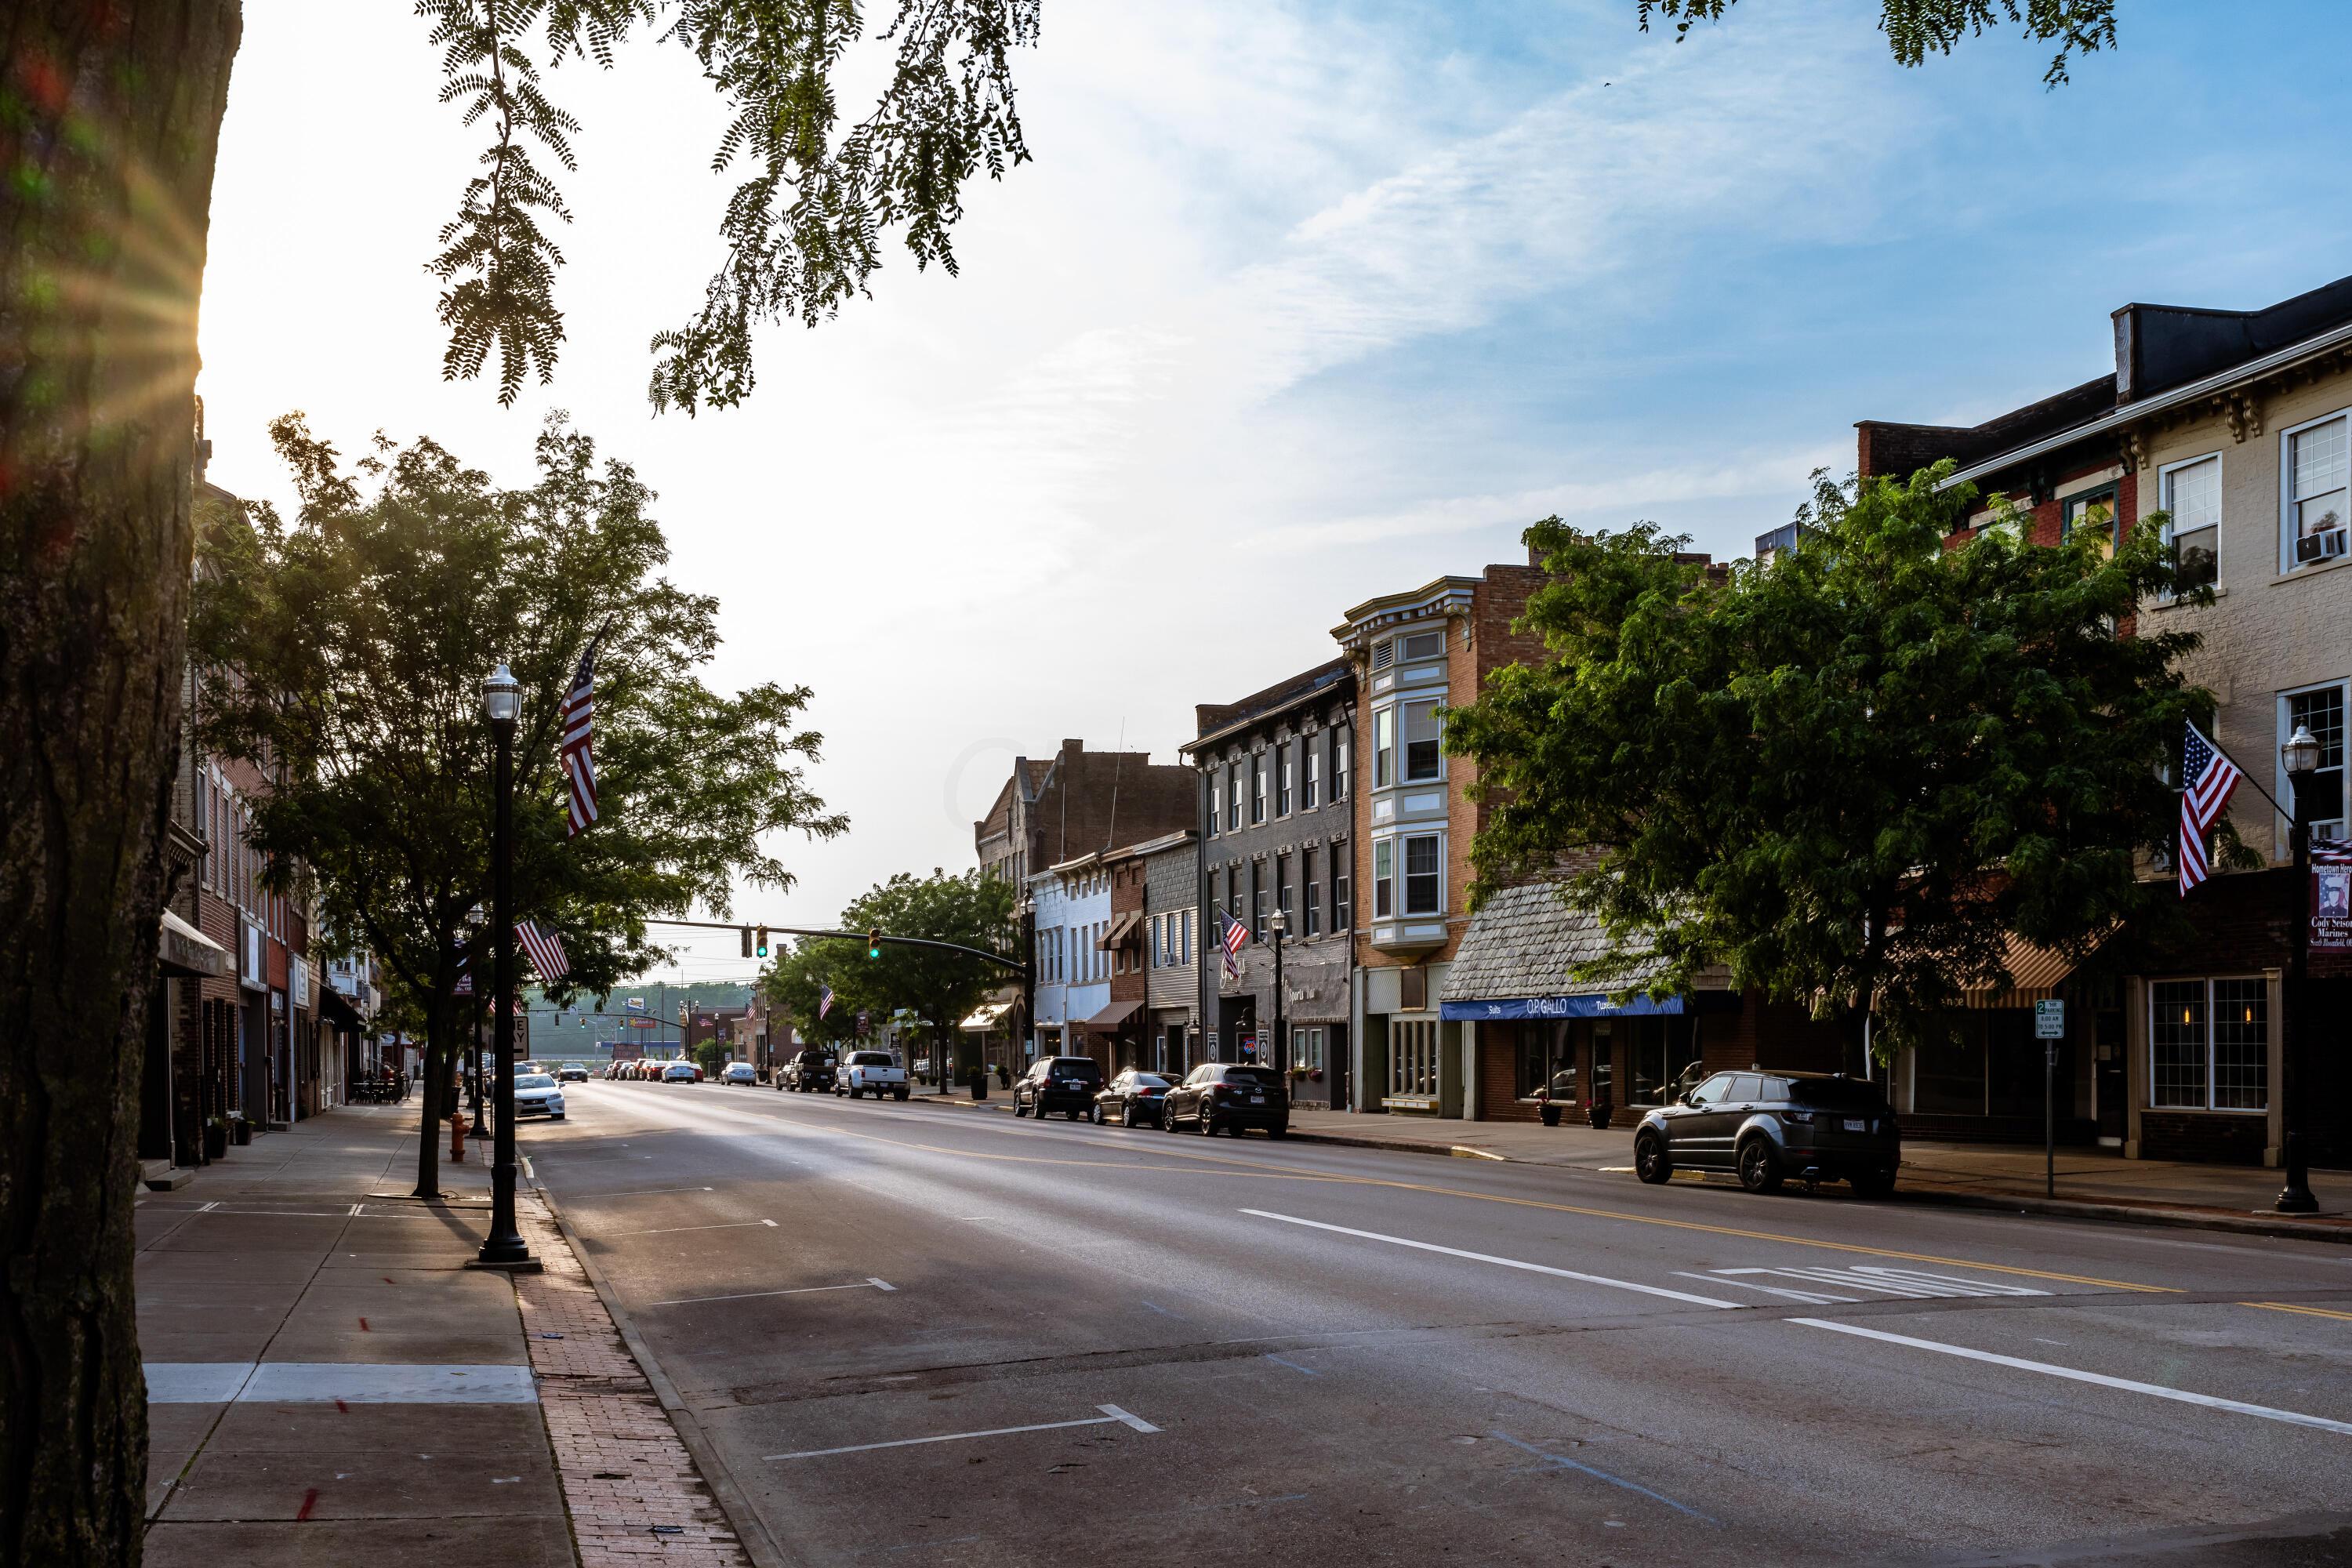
(1420, 740)
(1383, 748)
(1384, 877)
(1423, 875)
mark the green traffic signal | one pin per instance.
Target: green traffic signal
(874, 944)
(764, 941)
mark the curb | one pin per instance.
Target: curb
(2132, 1213)
(760, 1547)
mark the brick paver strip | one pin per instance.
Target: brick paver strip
(623, 1466)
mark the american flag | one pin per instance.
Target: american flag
(1235, 935)
(823, 1000)
(579, 764)
(2208, 778)
(546, 951)
(2331, 851)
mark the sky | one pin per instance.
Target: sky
(1298, 302)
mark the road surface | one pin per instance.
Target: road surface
(923, 1333)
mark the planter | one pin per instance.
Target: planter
(1550, 1113)
(216, 1143)
(1597, 1114)
(240, 1133)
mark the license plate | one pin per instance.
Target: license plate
(1257, 1100)
(1857, 1124)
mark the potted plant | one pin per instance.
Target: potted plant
(1598, 1112)
(216, 1138)
(1547, 1107)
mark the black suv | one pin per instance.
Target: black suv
(1222, 1097)
(1768, 1126)
(1066, 1084)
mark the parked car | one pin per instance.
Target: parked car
(1768, 1126)
(1226, 1097)
(810, 1070)
(680, 1072)
(572, 1075)
(740, 1072)
(1133, 1099)
(538, 1094)
(871, 1072)
(1066, 1084)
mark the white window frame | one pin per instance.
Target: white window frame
(1310, 773)
(1384, 760)
(1404, 739)
(2208, 1108)
(1404, 876)
(1384, 882)
(2286, 535)
(2343, 813)
(2164, 499)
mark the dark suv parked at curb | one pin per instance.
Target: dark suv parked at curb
(1769, 1126)
(1066, 1084)
(1219, 1097)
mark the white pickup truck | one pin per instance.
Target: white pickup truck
(870, 1072)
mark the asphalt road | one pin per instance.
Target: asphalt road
(929, 1334)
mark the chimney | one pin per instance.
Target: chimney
(1073, 748)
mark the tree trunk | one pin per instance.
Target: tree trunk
(439, 1053)
(113, 118)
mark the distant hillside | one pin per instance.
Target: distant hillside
(581, 1032)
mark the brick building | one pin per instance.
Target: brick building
(2234, 422)
(1171, 905)
(1076, 802)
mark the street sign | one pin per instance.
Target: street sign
(643, 1023)
(2049, 1020)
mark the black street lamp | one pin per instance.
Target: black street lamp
(1277, 923)
(504, 1247)
(2300, 757)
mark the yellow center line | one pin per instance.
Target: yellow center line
(2308, 1311)
(1278, 1174)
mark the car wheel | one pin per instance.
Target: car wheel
(1872, 1183)
(1094, 1114)
(1650, 1161)
(1208, 1125)
(1759, 1165)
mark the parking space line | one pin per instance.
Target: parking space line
(1110, 1414)
(755, 1295)
(2180, 1396)
(1600, 1279)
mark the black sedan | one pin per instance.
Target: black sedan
(1133, 1099)
(1223, 1096)
(1768, 1126)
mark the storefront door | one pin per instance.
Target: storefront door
(2108, 1089)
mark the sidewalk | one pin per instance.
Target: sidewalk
(2093, 1183)
(327, 1382)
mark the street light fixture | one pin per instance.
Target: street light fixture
(504, 1247)
(1278, 924)
(2299, 756)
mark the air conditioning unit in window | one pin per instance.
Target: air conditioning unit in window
(2324, 546)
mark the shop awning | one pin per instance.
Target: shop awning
(1108, 1020)
(987, 1015)
(1120, 929)
(185, 950)
(1593, 1006)
(334, 1002)
(2036, 974)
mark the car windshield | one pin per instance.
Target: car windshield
(870, 1059)
(534, 1081)
(1150, 1080)
(1264, 1077)
(1835, 1093)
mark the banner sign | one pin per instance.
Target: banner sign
(2331, 895)
(1595, 1006)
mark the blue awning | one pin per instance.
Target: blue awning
(1596, 1005)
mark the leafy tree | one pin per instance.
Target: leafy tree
(795, 982)
(712, 1056)
(972, 910)
(1847, 775)
(353, 643)
(1916, 28)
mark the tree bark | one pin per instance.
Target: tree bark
(439, 1053)
(113, 120)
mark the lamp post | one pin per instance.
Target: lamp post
(2300, 757)
(504, 1247)
(1278, 924)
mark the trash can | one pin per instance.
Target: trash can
(979, 1083)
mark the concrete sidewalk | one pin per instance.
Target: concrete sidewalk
(327, 1382)
(2096, 1183)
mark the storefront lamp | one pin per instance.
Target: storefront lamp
(2300, 753)
(501, 696)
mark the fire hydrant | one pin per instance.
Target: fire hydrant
(458, 1136)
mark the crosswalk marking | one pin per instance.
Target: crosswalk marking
(1805, 1282)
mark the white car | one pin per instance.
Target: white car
(538, 1094)
(870, 1072)
(740, 1072)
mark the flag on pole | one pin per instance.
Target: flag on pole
(1235, 934)
(823, 1000)
(573, 752)
(2208, 778)
(546, 951)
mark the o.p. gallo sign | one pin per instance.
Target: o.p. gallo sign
(1595, 1006)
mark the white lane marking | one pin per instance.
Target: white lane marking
(1110, 1414)
(675, 1230)
(1823, 1299)
(208, 1208)
(755, 1295)
(880, 1284)
(2211, 1402)
(1500, 1262)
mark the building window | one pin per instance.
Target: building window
(1412, 1056)
(1421, 645)
(1343, 912)
(2313, 495)
(1383, 748)
(1282, 893)
(1185, 952)
(1216, 807)
(1420, 740)
(1311, 906)
(1310, 776)
(1306, 1048)
(2192, 502)
(1257, 787)
(1282, 780)
(1384, 877)
(1424, 877)
(1233, 797)
(2208, 1043)
(1339, 764)
(2319, 794)
(2096, 511)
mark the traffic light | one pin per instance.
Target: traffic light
(747, 943)
(873, 944)
(762, 951)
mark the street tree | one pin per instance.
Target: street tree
(1917, 28)
(972, 910)
(1848, 775)
(796, 982)
(348, 650)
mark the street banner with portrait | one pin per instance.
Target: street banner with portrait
(2331, 895)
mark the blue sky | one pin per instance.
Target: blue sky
(1299, 303)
